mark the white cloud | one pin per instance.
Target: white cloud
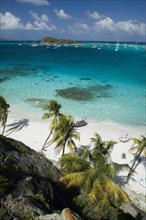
(8, 21)
(35, 2)
(61, 14)
(95, 15)
(34, 15)
(40, 22)
(131, 27)
(29, 26)
(43, 17)
(106, 24)
(79, 28)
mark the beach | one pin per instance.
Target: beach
(34, 132)
(108, 91)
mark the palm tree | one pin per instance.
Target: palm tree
(102, 149)
(54, 111)
(94, 175)
(65, 133)
(3, 112)
(140, 146)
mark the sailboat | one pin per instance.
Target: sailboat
(117, 46)
(34, 44)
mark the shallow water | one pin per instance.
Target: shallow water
(94, 80)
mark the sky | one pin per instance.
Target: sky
(92, 20)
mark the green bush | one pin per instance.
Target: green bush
(41, 199)
(3, 184)
(96, 210)
(26, 216)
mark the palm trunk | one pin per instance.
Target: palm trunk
(3, 129)
(63, 148)
(133, 167)
(4, 124)
(47, 140)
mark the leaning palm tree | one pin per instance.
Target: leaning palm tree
(53, 109)
(140, 146)
(93, 175)
(3, 112)
(65, 133)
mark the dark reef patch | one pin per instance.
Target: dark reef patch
(79, 94)
(103, 81)
(13, 71)
(83, 78)
(101, 90)
(2, 79)
(86, 94)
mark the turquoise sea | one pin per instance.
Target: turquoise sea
(100, 81)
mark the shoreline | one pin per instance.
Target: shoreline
(39, 127)
(33, 133)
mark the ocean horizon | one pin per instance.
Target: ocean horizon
(97, 80)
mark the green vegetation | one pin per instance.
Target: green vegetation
(88, 171)
(64, 134)
(41, 199)
(50, 40)
(140, 146)
(3, 184)
(93, 173)
(51, 175)
(26, 216)
(62, 128)
(3, 112)
(53, 109)
(96, 210)
(17, 146)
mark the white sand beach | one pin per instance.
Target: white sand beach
(34, 132)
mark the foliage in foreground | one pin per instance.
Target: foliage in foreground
(140, 146)
(96, 210)
(4, 106)
(93, 172)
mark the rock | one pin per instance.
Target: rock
(54, 216)
(67, 214)
(28, 183)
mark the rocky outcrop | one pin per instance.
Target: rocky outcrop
(30, 190)
(28, 183)
(66, 214)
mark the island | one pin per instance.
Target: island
(50, 40)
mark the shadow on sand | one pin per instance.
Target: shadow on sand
(17, 126)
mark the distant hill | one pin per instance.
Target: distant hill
(50, 40)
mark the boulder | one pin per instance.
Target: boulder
(28, 183)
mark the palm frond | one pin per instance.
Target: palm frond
(74, 163)
(96, 137)
(109, 146)
(138, 144)
(73, 179)
(47, 115)
(89, 178)
(86, 152)
(112, 169)
(113, 191)
(97, 193)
